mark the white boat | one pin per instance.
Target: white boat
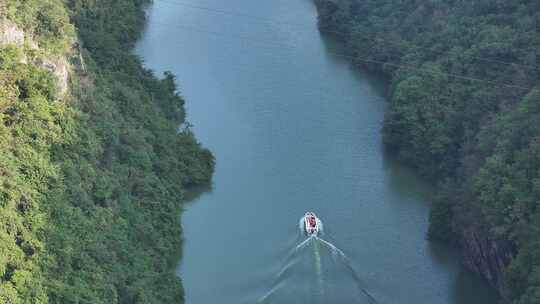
(312, 224)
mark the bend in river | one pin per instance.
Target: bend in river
(294, 128)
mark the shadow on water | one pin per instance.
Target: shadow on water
(195, 192)
(336, 51)
(406, 182)
(465, 282)
(412, 188)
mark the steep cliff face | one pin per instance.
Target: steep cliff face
(10, 33)
(487, 257)
(58, 65)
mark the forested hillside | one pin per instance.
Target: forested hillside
(465, 109)
(94, 162)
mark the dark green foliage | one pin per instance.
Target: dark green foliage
(91, 185)
(441, 215)
(481, 137)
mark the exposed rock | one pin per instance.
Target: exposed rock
(32, 44)
(59, 67)
(10, 33)
(487, 257)
(77, 59)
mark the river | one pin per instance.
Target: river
(294, 128)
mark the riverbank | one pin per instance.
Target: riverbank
(93, 166)
(462, 112)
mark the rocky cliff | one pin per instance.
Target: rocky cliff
(487, 257)
(57, 65)
(10, 33)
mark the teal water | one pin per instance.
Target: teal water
(294, 128)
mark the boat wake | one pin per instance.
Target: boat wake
(317, 271)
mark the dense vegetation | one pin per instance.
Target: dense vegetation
(92, 181)
(481, 139)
